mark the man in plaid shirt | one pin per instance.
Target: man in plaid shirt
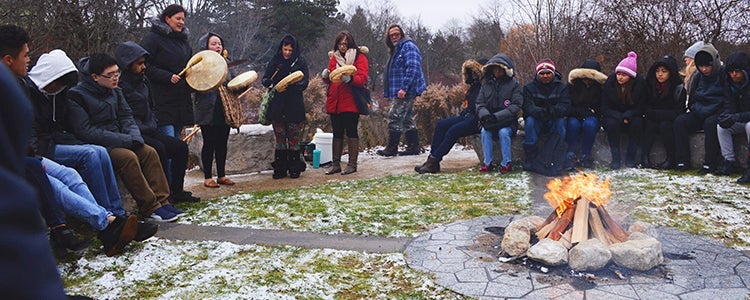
(403, 82)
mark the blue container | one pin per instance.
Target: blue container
(316, 158)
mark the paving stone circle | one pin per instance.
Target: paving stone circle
(695, 267)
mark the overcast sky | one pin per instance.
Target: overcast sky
(434, 14)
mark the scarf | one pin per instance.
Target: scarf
(347, 59)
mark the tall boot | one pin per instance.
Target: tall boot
(431, 166)
(412, 143)
(296, 166)
(336, 149)
(280, 164)
(351, 166)
(392, 148)
(530, 152)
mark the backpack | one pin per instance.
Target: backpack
(551, 158)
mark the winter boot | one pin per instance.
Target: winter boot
(586, 161)
(431, 166)
(729, 167)
(530, 152)
(646, 161)
(118, 234)
(280, 164)
(616, 159)
(745, 179)
(145, 231)
(392, 148)
(412, 143)
(65, 238)
(630, 154)
(351, 166)
(336, 149)
(296, 166)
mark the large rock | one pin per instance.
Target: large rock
(549, 252)
(643, 227)
(589, 255)
(517, 237)
(249, 150)
(639, 254)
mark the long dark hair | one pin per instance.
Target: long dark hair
(388, 43)
(350, 43)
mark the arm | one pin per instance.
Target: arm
(413, 66)
(363, 70)
(153, 71)
(125, 118)
(563, 103)
(80, 123)
(301, 65)
(510, 113)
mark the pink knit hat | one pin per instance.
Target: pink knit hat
(628, 65)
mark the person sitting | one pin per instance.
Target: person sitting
(447, 131)
(131, 58)
(705, 101)
(545, 101)
(100, 115)
(665, 101)
(624, 93)
(582, 118)
(735, 119)
(498, 104)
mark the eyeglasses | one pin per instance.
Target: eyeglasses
(111, 75)
(343, 44)
(395, 35)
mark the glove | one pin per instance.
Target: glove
(540, 114)
(488, 119)
(346, 78)
(726, 120)
(325, 73)
(136, 145)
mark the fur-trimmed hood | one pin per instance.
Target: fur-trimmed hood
(362, 49)
(500, 60)
(471, 69)
(590, 69)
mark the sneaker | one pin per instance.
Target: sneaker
(163, 214)
(62, 237)
(704, 170)
(175, 210)
(682, 167)
(506, 168)
(145, 231)
(408, 151)
(387, 152)
(485, 168)
(745, 179)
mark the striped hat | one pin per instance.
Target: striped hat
(545, 64)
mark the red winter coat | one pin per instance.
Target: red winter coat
(340, 98)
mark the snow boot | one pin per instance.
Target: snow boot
(336, 149)
(392, 148)
(279, 164)
(351, 166)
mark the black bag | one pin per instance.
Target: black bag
(551, 158)
(362, 99)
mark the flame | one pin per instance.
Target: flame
(564, 193)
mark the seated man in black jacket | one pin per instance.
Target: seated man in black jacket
(100, 115)
(132, 60)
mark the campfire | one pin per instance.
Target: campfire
(579, 211)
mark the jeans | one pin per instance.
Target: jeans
(504, 136)
(447, 132)
(74, 196)
(587, 128)
(48, 205)
(95, 166)
(725, 138)
(535, 127)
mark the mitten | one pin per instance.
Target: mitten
(325, 73)
(346, 78)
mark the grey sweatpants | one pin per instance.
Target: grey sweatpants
(725, 138)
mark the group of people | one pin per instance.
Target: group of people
(665, 105)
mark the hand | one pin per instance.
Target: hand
(325, 73)
(401, 94)
(488, 119)
(175, 78)
(136, 145)
(346, 78)
(726, 120)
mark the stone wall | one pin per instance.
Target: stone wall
(249, 150)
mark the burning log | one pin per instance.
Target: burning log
(597, 228)
(581, 221)
(612, 226)
(562, 224)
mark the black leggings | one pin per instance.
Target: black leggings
(348, 122)
(215, 139)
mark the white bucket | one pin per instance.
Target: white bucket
(323, 142)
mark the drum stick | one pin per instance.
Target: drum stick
(197, 60)
(245, 93)
(189, 137)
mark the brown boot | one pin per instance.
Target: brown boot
(431, 166)
(336, 149)
(351, 167)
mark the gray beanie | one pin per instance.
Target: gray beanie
(692, 50)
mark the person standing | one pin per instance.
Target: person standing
(665, 101)
(209, 114)
(403, 82)
(624, 94)
(545, 101)
(167, 44)
(585, 88)
(286, 110)
(340, 100)
(735, 119)
(447, 131)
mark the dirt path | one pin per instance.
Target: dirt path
(370, 165)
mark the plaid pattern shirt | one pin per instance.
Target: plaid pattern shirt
(405, 71)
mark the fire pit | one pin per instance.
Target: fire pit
(580, 232)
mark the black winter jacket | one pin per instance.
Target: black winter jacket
(49, 127)
(99, 115)
(583, 98)
(289, 106)
(207, 106)
(546, 101)
(738, 95)
(135, 87)
(169, 53)
(613, 107)
(500, 97)
(664, 106)
(707, 92)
